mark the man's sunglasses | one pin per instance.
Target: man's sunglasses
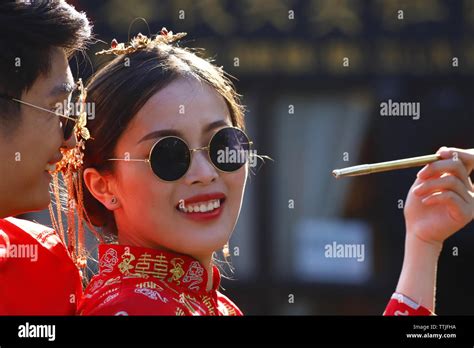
(69, 118)
(170, 157)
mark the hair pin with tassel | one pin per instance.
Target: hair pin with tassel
(70, 167)
(141, 41)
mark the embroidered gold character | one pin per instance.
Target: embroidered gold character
(177, 270)
(125, 265)
(158, 270)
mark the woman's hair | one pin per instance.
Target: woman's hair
(123, 86)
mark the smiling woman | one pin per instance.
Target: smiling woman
(162, 105)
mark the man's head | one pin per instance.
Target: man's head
(36, 40)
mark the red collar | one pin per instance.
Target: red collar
(175, 269)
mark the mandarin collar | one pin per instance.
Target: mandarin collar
(175, 269)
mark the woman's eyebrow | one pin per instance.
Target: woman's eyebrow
(173, 132)
(214, 125)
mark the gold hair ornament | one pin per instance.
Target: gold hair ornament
(70, 167)
(141, 41)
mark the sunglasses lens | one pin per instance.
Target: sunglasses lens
(68, 127)
(170, 158)
(229, 149)
(68, 124)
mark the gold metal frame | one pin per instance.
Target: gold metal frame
(191, 151)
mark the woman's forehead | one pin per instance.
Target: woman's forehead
(184, 96)
(184, 105)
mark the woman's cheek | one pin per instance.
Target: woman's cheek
(241, 180)
(139, 187)
(236, 184)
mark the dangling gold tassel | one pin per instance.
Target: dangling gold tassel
(71, 169)
(81, 245)
(58, 209)
(225, 251)
(72, 205)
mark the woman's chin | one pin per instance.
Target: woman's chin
(200, 248)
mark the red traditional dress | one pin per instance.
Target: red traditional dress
(143, 281)
(37, 276)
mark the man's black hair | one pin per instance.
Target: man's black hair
(29, 29)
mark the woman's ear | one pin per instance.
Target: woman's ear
(99, 186)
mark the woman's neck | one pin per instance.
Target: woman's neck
(207, 264)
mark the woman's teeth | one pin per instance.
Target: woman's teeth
(202, 207)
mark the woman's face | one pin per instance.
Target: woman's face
(148, 211)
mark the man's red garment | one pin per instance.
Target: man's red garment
(37, 276)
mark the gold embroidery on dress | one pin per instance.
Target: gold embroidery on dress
(151, 294)
(125, 265)
(231, 311)
(105, 293)
(183, 300)
(149, 285)
(195, 303)
(134, 275)
(179, 312)
(207, 301)
(112, 281)
(109, 298)
(96, 285)
(159, 269)
(194, 275)
(177, 270)
(108, 260)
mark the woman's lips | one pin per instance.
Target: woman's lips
(202, 207)
(204, 216)
(205, 197)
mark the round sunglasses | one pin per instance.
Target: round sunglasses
(170, 157)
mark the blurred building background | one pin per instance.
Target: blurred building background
(313, 74)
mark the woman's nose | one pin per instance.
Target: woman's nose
(201, 169)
